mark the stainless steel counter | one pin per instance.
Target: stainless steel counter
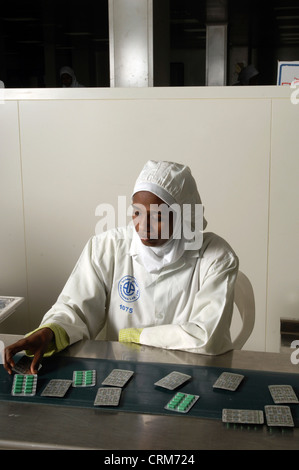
(33, 426)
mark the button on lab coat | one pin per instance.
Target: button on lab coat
(187, 306)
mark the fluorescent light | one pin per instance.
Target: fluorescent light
(287, 17)
(21, 18)
(79, 33)
(195, 30)
(288, 26)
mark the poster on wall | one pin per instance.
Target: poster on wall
(8, 306)
(288, 72)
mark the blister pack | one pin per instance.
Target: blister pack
(279, 416)
(173, 380)
(182, 402)
(283, 394)
(24, 385)
(228, 381)
(56, 388)
(84, 378)
(108, 396)
(118, 378)
(242, 416)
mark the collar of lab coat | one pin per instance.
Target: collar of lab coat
(185, 259)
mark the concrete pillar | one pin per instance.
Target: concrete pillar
(216, 43)
(131, 43)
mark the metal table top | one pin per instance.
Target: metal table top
(34, 426)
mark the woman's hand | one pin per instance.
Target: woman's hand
(36, 344)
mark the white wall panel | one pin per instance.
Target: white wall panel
(12, 246)
(283, 288)
(77, 154)
(82, 148)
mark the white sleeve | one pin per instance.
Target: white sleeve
(80, 308)
(207, 330)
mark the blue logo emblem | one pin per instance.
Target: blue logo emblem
(128, 289)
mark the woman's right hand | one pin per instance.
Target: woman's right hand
(35, 344)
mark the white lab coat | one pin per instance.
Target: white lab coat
(187, 306)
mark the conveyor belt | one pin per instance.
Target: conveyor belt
(140, 395)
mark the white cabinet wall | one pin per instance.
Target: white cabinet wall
(64, 152)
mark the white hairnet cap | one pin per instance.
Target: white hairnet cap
(172, 182)
(67, 70)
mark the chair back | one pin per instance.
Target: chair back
(244, 300)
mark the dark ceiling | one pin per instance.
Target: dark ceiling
(29, 27)
(249, 21)
(30, 22)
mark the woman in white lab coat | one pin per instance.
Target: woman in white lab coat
(159, 282)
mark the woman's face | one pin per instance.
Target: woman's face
(66, 80)
(152, 219)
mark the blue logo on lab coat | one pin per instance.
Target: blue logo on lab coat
(128, 289)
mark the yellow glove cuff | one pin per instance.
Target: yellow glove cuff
(130, 335)
(61, 340)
